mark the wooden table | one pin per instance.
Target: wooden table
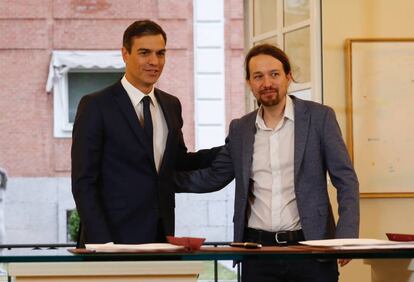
(83, 265)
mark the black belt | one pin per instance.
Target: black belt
(279, 238)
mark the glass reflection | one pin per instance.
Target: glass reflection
(295, 11)
(271, 40)
(264, 16)
(297, 46)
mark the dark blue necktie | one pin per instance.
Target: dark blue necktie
(147, 119)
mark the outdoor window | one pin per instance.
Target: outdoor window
(293, 26)
(73, 74)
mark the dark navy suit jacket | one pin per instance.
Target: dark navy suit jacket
(119, 194)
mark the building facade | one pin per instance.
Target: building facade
(204, 49)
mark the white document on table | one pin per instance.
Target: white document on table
(359, 244)
(111, 247)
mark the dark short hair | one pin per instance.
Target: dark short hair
(267, 49)
(141, 28)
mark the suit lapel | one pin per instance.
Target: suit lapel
(248, 131)
(127, 109)
(168, 119)
(302, 120)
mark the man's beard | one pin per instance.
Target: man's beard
(270, 102)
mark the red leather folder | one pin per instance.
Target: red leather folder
(400, 237)
(190, 243)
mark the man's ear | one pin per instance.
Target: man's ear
(248, 84)
(125, 54)
(289, 77)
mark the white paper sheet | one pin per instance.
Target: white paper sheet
(359, 244)
(111, 247)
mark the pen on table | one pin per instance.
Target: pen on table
(247, 245)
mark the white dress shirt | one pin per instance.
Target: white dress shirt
(272, 200)
(158, 120)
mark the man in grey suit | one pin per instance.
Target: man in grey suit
(280, 155)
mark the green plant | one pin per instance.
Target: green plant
(73, 225)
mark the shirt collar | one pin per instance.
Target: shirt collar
(134, 93)
(289, 111)
(287, 114)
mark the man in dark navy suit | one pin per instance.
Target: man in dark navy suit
(127, 140)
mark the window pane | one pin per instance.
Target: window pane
(295, 11)
(81, 83)
(264, 16)
(271, 40)
(297, 46)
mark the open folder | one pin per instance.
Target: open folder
(359, 244)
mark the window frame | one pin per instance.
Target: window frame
(314, 23)
(64, 62)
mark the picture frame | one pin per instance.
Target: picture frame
(380, 99)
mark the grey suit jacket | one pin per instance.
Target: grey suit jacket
(319, 149)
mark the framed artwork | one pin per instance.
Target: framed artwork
(380, 108)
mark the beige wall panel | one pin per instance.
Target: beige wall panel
(363, 19)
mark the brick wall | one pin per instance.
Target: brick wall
(30, 30)
(234, 56)
(38, 164)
